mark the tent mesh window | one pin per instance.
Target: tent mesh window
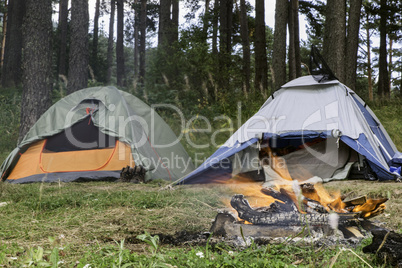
(83, 135)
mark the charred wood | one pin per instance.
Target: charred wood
(293, 218)
(388, 246)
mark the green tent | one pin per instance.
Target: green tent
(91, 135)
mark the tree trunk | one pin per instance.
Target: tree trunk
(79, 54)
(390, 64)
(63, 28)
(164, 23)
(246, 45)
(120, 44)
(261, 64)
(37, 63)
(94, 63)
(215, 28)
(4, 28)
(11, 72)
(279, 46)
(206, 21)
(383, 82)
(369, 69)
(352, 43)
(143, 30)
(291, 50)
(136, 38)
(174, 31)
(295, 5)
(335, 37)
(294, 40)
(226, 7)
(110, 42)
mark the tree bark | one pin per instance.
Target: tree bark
(37, 63)
(120, 44)
(205, 20)
(390, 54)
(261, 64)
(11, 71)
(63, 28)
(352, 43)
(136, 38)
(294, 40)
(95, 40)
(215, 28)
(335, 37)
(383, 81)
(225, 44)
(291, 50)
(4, 28)
(79, 54)
(174, 31)
(110, 42)
(143, 29)
(164, 23)
(279, 46)
(246, 45)
(369, 69)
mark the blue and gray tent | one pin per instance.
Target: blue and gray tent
(331, 130)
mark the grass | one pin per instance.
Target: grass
(98, 223)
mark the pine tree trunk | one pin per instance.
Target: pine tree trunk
(295, 5)
(261, 64)
(4, 31)
(226, 7)
(206, 21)
(352, 43)
(215, 28)
(390, 54)
(369, 69)
(246, 45)
(175, 22)
(94, 57)
(63, 27)
(110, 42)
(120, 44)
(164, 23)
(136, 39)
(279, 47)
(291, 50)
(37, 63)
(11, 71)
(143, 30)
(383, 82)
(294, 40)
(79, 54)
(335, 37)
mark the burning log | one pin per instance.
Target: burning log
(286, 218)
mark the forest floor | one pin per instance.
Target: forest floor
(101, 223)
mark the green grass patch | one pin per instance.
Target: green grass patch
(114, 224)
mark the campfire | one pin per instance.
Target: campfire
(286, 210)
